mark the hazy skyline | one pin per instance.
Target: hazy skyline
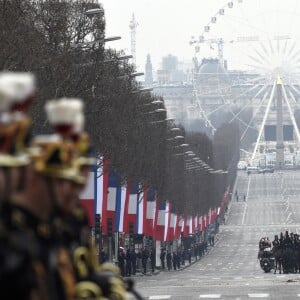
(166, 26)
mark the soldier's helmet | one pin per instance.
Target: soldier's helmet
(54, 157)
(17, 91)
(67, 118)
(57, 155)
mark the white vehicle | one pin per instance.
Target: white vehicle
(252, 170)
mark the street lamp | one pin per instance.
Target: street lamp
(181, 146)
(175, 129)
(143, 90)
(110, 39)
(94, 11)
(177, 137)
(135, 74)
(163, 121)
(154, 102)
(159, 110)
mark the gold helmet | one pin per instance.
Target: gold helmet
(56, 158)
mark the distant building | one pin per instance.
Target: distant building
(174, 72)
(148, 71)
(170, 63)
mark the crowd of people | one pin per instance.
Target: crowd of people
(285, 249)
(132, 261)
(45, 244)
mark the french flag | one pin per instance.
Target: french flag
(120, 208)
(196, 223)
(172, 229)
(186, 227)
(151, 210)
(87, 198)
(207, 219)
(131, 202)
(191, 225)
(102, 193)
(179, 226)
(204, 222)
(141, 210)
(200, 224)
(160, 221)
(168, 213)
(111, 200)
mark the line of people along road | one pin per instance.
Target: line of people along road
(132, 262)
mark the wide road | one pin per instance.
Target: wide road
(231, 269)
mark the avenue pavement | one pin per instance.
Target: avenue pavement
(231, 269)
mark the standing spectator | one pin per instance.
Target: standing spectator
(189, 253)
(169, 261)
(128, 262)
(183, 257)
(213, 239)
(122, 261)
(209, 239)
(133, 257)
(152, 259)
(178, 259)
(145, 256)
(162, 258)
(174, 260)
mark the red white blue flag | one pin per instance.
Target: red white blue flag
(131, 204)
(150, 212)
(160, 221)
(87, 198)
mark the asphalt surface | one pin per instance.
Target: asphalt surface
(231, 269)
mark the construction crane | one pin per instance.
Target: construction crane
(133, 25)
(220, 42)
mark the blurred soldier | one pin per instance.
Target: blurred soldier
(66, 117)
(33, 267)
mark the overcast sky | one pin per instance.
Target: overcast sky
(166, 26)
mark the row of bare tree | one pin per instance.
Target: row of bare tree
(64, 47)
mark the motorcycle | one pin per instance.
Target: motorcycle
(267, 261)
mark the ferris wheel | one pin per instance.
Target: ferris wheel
(239, 54)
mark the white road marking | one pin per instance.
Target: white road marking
(258, 295)
(245, 207)
(210, 296)
(158, 297)
(288, 216)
